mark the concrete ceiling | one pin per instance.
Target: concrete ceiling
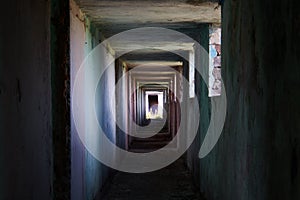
(152, 38)
(151, 65)
(116, 16)
(105, 12)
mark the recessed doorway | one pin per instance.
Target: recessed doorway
(154, 105)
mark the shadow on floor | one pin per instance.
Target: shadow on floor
(171, 183)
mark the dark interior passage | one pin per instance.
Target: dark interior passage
(153, 103)
(254, 50)
(153, 100)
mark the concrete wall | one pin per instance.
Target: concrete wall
(88, 174)
(60, 96)
(121, 104)
(25, 101)
(78, 51)
(258, 154)
(201, 92)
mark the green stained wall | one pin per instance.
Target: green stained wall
(258, 154)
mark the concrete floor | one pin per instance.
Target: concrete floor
(171, 183)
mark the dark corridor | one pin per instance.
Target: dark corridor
(78, 120)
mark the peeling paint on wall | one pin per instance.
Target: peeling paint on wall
(215, 62)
